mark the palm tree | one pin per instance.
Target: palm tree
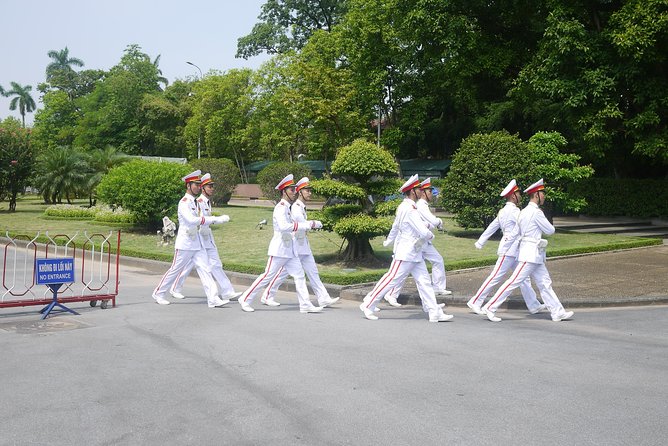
(62, 62)
(61, 171)
(23, 100)
(2, 91)
(161, 78)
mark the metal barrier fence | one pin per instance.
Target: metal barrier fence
(96, 269)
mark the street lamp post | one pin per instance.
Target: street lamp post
(199, 133)
(198, 68)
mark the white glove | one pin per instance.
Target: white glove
(387, 243)
(417, 246)
(316, 224)
(478, 245)
(223, 219)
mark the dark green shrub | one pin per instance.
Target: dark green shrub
(148, 190)
(224, 173)
(642, 198)
(484, 164)
(480, 169)
(271, 175)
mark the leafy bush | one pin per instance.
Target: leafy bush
(485, 163)
(148, 190)
(480, 169)
(362, 225)
(388, 208)
(224, 173)
(271, 175)
(360, 170)
(362, 161)
(625, 197)
(333, 188)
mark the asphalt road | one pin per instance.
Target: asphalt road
(186, 374)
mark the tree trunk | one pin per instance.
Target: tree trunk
(12, 202)
(357, 249)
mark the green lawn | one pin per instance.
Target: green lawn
(244, 248)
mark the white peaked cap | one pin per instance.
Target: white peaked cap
(206, 179)
(285, 182)
(426, 184)
(411, 183)
(302, 183)
(192, 176)
(510, 188)
(535, 187)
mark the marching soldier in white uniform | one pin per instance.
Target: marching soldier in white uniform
(531, 225)
(189, 247)
(506, 220)
(410, 236)
(429, 252)
(282, 253)
(225, 288)
(303, 250)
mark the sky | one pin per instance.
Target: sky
(203, 32)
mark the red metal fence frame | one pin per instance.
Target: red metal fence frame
(108, 283)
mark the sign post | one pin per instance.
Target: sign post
(54, 273)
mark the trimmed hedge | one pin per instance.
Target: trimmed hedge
(625, 197)
(70, 211)
(102, 213)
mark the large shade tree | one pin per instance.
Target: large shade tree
(287, 25)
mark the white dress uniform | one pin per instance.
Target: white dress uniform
(429, 253)
(531, 225)
(411, 234)
(189, 248)
(225, 288)
(282, 254)
(303, 251)
(506, 220)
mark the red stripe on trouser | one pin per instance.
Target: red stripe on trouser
(176, 253)
(266, 271)
(273, 281)
(482, 288)
(519, 270)
(390, 275)
(177, 278)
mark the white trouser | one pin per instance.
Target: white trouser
(430, 254)
(505, 264)
(224, 285)
(395, 276)
(293, 267)
(311, 270)
(523, 270)
(182, 258)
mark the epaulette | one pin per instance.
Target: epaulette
(184, 199)
(281, 203)
(200, 199)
